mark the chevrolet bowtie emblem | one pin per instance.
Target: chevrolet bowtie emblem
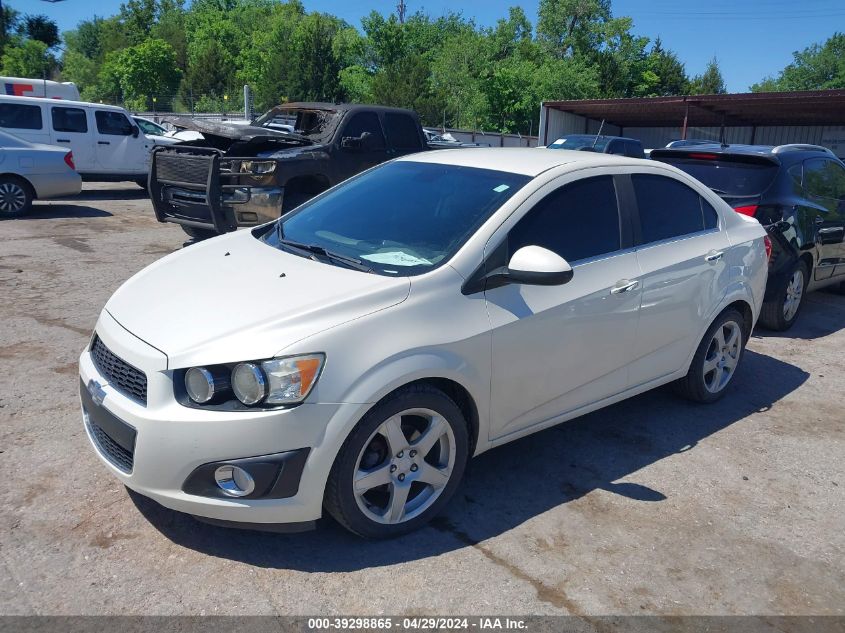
(98, 394)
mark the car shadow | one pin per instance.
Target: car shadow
(63, 211)
(509, 485)
(132, 192)
(822, 314)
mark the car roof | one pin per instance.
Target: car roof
(528, 161)
(61, 102)
(592, 136)
(342, 107)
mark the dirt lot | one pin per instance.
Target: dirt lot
(651, 506)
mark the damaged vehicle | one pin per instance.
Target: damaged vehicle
(245, 175)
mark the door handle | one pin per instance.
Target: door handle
(714, 256)
(63, 140)
(103, 142)
(623, 285)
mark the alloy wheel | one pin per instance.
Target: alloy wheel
(404, 466)
(12, 197)
(722, 356)
(794, 293)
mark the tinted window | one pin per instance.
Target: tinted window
(69, 120)
(577, 221)
(148, 127)
(581, 141)
(634, 149)
(113, 123)
(616, 147)
(366, 123)
(711, 218)
(402, 131)
(824, 179)
(21, 117)
(402, 218)
(668, 208)
(726, 175)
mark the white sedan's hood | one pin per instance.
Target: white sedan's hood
(234, 298)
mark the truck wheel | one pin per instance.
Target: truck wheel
(781, 313)
(15, 197)
(197, 233)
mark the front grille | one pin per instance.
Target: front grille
(127, 379)
(182, 167)
(111, 450)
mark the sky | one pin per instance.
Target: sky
(751, 38)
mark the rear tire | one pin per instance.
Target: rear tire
(15, 197)
(716, 359)
(781, 313)
(198, 233)
(400, 465)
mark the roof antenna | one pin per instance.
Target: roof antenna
(601, 127)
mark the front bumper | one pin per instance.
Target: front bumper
(171, 442)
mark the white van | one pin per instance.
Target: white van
(106, 143)
(23, 87)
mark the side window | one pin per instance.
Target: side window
(402, 131)
(114, 123)
(824, 178)
(69, 120)
(709, 215)
(577, 221)
(668, 208)
(366, 122)
(20, 117)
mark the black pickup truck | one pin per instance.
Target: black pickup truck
(245, 175)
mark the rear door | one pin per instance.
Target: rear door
(403, 134)
(366, 147)
(681, 254)
(118, 151)
(824, 184)
(70, 127)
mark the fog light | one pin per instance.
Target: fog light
(234, 481)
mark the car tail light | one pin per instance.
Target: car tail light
(703, 156)
(768, 243)
(749, 210)
(69, 160)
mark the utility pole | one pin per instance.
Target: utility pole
(400, 9)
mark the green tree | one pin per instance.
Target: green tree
(817, 67)
(28, 58)
(571, 27)
(663, 75)
(144, 71)
(41, 28)
(710, 82)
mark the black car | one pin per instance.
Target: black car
(798, 193)
(621, 145)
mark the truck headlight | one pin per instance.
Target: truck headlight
(258, 166)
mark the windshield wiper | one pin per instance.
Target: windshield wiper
(316, 249)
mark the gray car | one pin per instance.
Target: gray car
(31, 171)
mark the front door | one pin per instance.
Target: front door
(556, 349)
(683, 257)
(118, 150)
(362, 145)
(70, 128)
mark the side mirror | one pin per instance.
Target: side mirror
(538, 266)
(350, 142)
(135, 131)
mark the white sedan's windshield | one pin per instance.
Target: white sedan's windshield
(403, 218)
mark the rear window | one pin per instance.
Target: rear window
(402, 131)
(727, 176)
(20, 117)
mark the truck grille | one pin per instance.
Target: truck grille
(120, 374)
(111, 450)
(182, 168)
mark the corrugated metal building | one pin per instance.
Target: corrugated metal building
(764, 118)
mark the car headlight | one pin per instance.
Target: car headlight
(273, 382)
(258, 166)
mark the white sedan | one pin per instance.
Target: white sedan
(30, 171)
(353, 355)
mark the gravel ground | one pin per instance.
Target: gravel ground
(652, 506)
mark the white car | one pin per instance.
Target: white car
(355, 353)
(30, 171)
(158, 134)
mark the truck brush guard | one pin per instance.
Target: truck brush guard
(185, 188)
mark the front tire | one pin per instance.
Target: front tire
(400, 465)
(15, 197)
(780, 315)
(716, 359)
